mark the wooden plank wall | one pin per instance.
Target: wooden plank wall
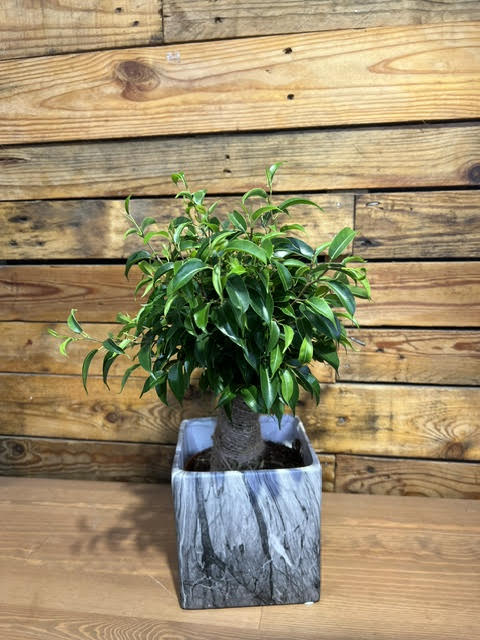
(376, 107)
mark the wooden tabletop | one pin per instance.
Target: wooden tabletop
(95, 560)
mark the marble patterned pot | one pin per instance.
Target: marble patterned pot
(247, 538)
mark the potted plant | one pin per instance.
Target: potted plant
(248, 305)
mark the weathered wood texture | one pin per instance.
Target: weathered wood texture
(416, 557)
(27, 347)
(448, 357)
(432, 224)
(413, 293)
(94, 460)
(85, 460)
(30, 29)
(406, 477)
(370, 158)
(391, 420)
(396, 420)
(422, 356)
(423, 294)
(392, 74)
(186, 20)
(94, 229)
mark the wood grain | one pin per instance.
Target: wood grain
(422, 356)
(396, 420)
(436, 224)
(367, 419)
(27, 347)
(93, 460)
(85, 459)
(330, 159)
(404, 477)
(422, 294)
(410, 293)
(30, 29)
(416, 557)
(379, 75)
(186, 20)
(94, 229)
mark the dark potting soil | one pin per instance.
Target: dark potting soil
(277, 456)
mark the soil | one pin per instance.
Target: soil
(277, 456)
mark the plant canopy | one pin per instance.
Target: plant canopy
(242, 299)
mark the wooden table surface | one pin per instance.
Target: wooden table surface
(86, 560)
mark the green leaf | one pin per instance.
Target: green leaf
(284, 274)
(73, 323)
(255, 192)
(176, 380)
(186, 272)
(288, 334)
(320, 306)
(178, 177)
(292, 227)
(267, 389)
(267, 209)
(271, 171)
(288, 385)
(146, 222)
(134, 258)
(164, 268)
(126, 204)
(63, 346)
(290, 202)
(199, 196)
(201, 316)
(111, 347)
(238, 220)
(249, 396)
(85, 367)
(306, 350)
(225, 397)
(276, 359)
(217, 279)
(238, 293)
(246, 246)
(344, 295)
(340, 242)
(273, 336)
(145, 356)
(108, 359)
(263, 306)
(127, 374)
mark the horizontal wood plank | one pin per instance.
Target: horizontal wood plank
(370, 158)
(396, 420)
(422, 294)
(85, 459)
(186, 20)
(30, 29)
(94, 229)
(91, 460)
(392, 420)
(450, 357)
(436, 224)
(371, 76)
(27, 347)
(418, 558)
(404, 477)
(405, 293)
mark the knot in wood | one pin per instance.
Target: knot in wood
(137, 78)
(455, 451)
(474, 174)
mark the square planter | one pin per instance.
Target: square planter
(247, 538)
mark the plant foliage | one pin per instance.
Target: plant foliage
(242, 299)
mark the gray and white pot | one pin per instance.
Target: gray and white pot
(247, 538)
